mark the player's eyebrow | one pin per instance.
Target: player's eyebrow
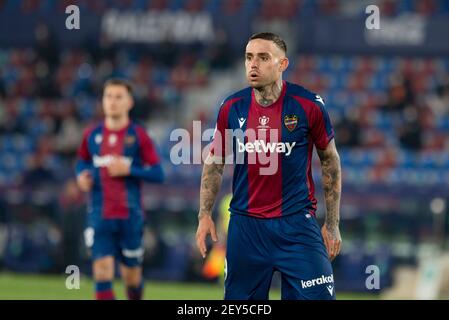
(260, 54)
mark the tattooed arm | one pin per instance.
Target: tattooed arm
(331, 176)
(210, 185)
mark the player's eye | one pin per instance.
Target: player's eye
(264, 58)
(248, 58)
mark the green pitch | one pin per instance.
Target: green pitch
(42, 287)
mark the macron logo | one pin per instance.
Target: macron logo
(241, 122)
(330, 289)
(318, 281)
(319, 99)
(263, 146)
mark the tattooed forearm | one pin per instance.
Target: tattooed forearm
(268, 94)
(210, 185)
(331, 176)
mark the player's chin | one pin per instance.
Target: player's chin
(112, 112)
(254, 83)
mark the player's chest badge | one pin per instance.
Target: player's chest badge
(290, 122)
(129, 140)
(112, 139)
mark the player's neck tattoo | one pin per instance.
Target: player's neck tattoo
(267, 95)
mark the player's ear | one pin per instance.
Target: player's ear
(284, 64)
(131, 102)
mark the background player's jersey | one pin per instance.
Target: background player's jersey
(299, 120)
(116, 198)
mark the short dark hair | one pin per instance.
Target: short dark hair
(271, 37)
(119, 82)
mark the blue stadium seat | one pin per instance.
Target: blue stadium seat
(445, 159)
(7, 143)
(28, 109)
(8, 160)
(47, 6)
(427, 160)
(21, 143)
(213, 7)
(160, 76)
(406, 6)
(177, 4)
(405, 159)
(86, 107)
(324, 65)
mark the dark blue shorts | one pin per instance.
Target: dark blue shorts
(121, 238)
(292, 245)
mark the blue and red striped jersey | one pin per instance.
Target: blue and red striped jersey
(119, 197)
(272, 159)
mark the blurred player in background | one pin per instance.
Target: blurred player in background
(114, 158)
(273, 225)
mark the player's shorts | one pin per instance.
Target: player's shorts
(292, 245)
(121, 238)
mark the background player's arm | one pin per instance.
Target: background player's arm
(150, 170)
(83, 167)
(84, 180)
(331, 177)
(153, 174)
(210, 185)
(121, 168)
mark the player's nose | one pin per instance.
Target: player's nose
(254, 64)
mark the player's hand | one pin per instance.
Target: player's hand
(205, 226)
(332, 241)
(85, 181)
(118, 167)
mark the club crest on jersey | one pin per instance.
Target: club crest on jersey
(129, 140)
(291, 122)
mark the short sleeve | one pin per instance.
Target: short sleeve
(218, 146)
(321, 128)
(83, 150)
